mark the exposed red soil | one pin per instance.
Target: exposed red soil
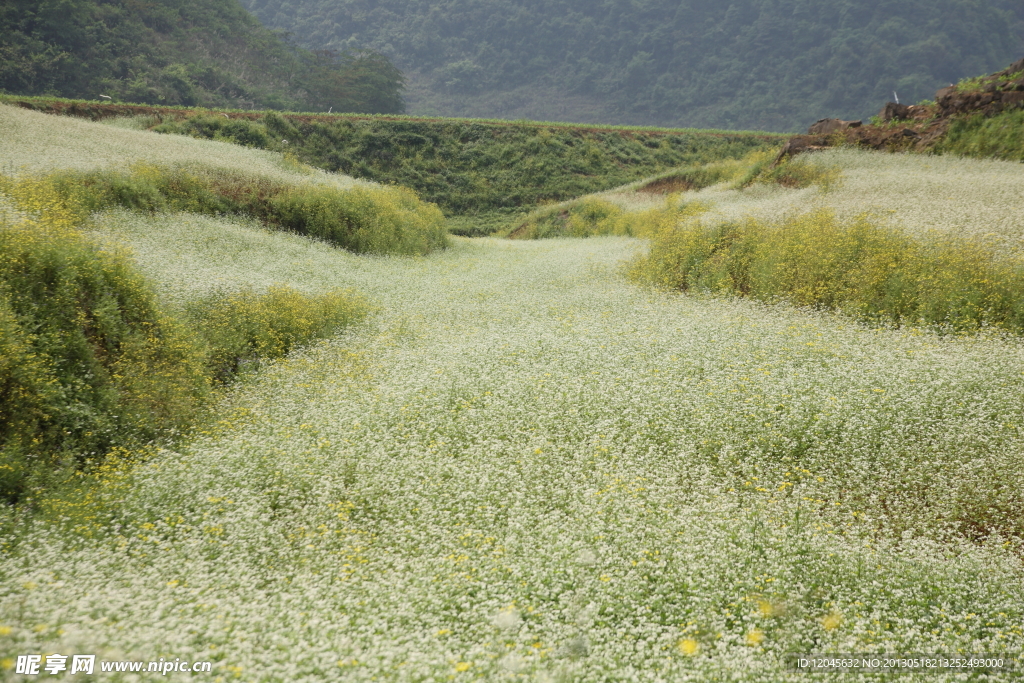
(667, 185)
(918, 128)
(100, 110)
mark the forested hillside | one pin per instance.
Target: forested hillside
(755, 64)
(181, 52)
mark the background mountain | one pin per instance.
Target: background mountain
(181, 52)
(760, 64)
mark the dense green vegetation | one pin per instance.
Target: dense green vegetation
(93, 363)
(753, 64)
(485, 173)
(594, 215)
(999, 137)
(183, 52)
(858, 267)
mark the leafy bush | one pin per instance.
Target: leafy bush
(89, 360)
(242, 327)
(799, 173)
(700, 176)
(490, 170)
(379, 220)
(858, 267)
(794, 173)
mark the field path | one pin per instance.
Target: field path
(525, 468)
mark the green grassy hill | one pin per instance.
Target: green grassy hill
(748, 64)
(180, 52)
(482, 173)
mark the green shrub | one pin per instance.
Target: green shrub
(858, 267)
(242, 327)
(698, 177)
(793, 172)
(90, 363)
(379, 220)
(28, 396)
(585, 217)
(91, 360)
(214, 127)
(799, 173)
(492, 171)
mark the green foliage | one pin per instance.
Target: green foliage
(746, 64)
(364, 219)
(378, 220)
(593, 216)
(487, 170)
(243, 327)
(794, 173)
(857, 267)
(1000, 137)
(181, 52)
(581, 218)
(971, 84)
(701, 175)
(90, 362)
(90, 359)
(361, 81)
(758, 166)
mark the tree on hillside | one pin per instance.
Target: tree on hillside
(181, 52)
(360, 81)
(773, 64)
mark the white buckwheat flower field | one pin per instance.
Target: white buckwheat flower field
(523, 467)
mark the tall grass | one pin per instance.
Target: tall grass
(378, 220)
(1000, 137)
(363, 219)
(91, 359)
(594, 216)
(855, 266)
(699, 176)
(792, 172)
(603, 215)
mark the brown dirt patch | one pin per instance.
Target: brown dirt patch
(666, 186)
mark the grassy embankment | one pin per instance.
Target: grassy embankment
(483, 174)
(94, 361)
(713, 236)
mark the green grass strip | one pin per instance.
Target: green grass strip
(363, 219)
